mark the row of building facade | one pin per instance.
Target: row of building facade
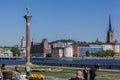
(66, 48)
(70, 48)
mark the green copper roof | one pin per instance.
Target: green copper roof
(23, 38)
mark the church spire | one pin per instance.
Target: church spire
(110, 33)
(110, 26)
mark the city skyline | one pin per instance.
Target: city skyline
(80, 20)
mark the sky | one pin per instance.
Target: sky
(80, 20)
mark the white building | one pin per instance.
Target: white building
(22, 52)
(57, 53)
(59, 44)
(68, 50)
(23, 42)
(114, 47)
(8, 53)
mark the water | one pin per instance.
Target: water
(12, 61)
(103, 63)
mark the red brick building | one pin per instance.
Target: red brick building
(40, 49)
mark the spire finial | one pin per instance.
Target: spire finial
(110, 27)
(32, 39)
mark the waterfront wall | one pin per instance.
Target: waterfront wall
(103, 64)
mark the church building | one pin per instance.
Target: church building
(110, 32)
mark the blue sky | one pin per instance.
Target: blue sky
(81, 20)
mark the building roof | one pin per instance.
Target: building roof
(68, 46)
(63, 41)
(1, 49)
(8, 51)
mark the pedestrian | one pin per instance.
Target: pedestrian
(79, 76)
(4, 67)
(17, 69)
(85, 73)
(17, 73)
(92, 74)
(1, 75)
(27, 69)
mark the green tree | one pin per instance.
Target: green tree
(107, 53)
(88, 53)
(110, 53)
(15, 51)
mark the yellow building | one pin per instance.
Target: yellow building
(116, 56)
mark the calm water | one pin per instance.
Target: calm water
(114, 64)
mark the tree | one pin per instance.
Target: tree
(107, 53)
(15, 51)
(110, 53)
(87, 53)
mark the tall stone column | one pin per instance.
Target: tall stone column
(27, 18)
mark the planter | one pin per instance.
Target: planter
(7, 74)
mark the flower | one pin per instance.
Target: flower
(37, 77)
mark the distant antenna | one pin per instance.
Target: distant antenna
(69, 36)
(33, 38)
(56, 38)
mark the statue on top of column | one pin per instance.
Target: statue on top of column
(28, 10)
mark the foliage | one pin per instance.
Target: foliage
(88, 53)
(37, 77)
(70, 72)
(15, 51)
(107, 53)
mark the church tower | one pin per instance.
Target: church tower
(23, 42)
(110, 32)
